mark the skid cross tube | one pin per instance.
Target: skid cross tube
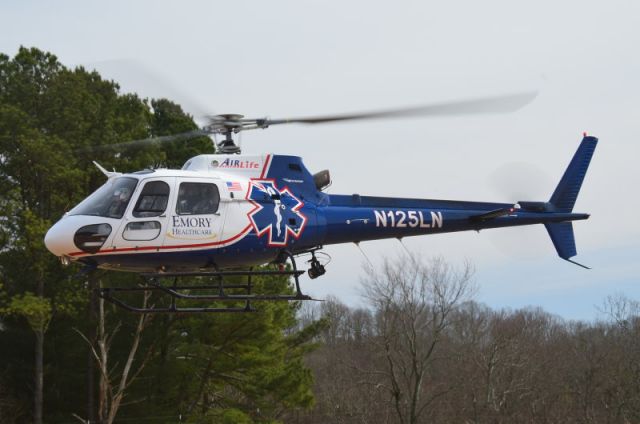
(214, 292)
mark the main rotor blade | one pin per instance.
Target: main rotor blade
(151, 140)
(486, 105)
(132, 75)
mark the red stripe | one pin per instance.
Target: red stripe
(179, 246)
(266, 164)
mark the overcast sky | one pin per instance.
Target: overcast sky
(289, 58)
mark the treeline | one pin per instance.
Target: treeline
(424, 352)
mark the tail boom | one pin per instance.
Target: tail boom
(358, 218)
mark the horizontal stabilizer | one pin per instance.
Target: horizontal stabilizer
(496, 213)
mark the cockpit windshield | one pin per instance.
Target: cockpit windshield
(110, 200)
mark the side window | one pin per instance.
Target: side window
(153, 200)
(197, 199)
(141, 231)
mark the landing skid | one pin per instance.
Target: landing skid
(215, 291)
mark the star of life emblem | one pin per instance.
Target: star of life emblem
(276, 212)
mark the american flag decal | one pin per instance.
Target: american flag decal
(234, 186)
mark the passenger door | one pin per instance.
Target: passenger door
(197, 217)
(145, 224)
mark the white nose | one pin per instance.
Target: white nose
(76, 233)
(57, 240)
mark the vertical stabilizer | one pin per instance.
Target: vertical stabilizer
(566, 193)
(561, 234)
(564, 198)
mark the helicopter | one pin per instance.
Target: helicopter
(223, 214)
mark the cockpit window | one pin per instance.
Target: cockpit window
(153, 200)
(110, 200)
(197, 199)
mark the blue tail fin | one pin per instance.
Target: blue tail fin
(564, 198)
(566, 193)
(561, 234)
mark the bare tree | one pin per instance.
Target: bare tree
(621, 310)
(418, 353)
(414, 301)
(624, 356)
(344, 351)
(113, 381)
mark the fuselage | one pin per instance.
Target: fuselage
(225, 211)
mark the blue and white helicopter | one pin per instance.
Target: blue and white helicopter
(222, 214)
